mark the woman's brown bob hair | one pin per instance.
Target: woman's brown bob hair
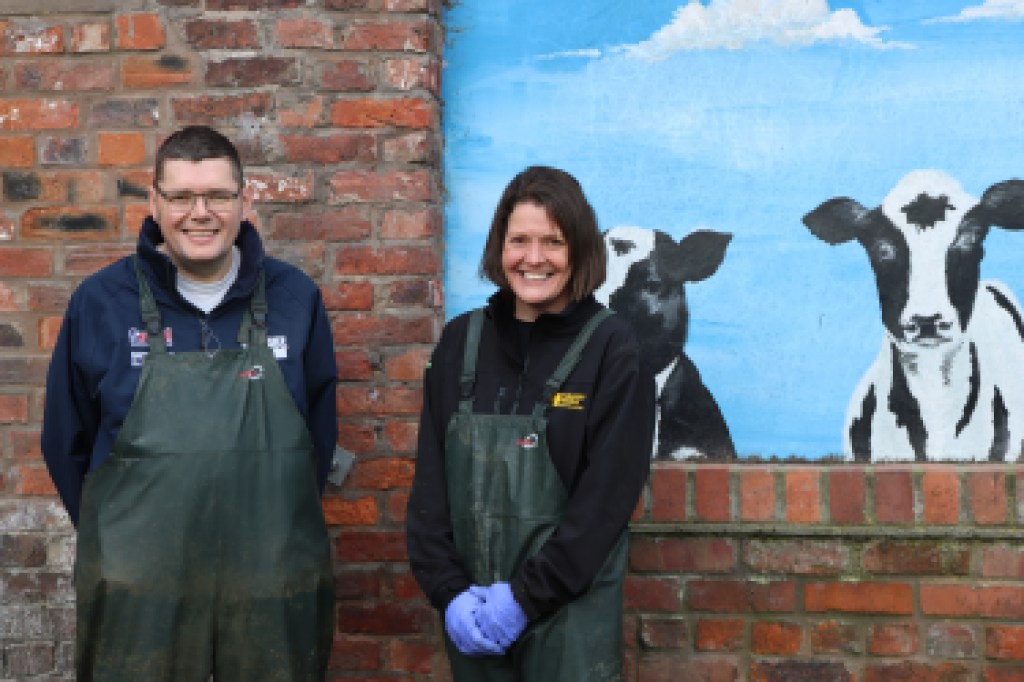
(562, 197)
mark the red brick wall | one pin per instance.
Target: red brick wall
(738, 573)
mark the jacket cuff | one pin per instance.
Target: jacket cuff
(525, 603)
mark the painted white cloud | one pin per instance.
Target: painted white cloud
(1012, 10)
(733, 24)
(591, 53)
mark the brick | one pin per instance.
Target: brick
(30, 37)
(222, 109)
(654, 594)
(359, 438)
(396, 504)
(734, 596)
(304, 114)
(350, 295)
(663, 633)
(348, 75)
(969, 600)
(359, 186)
(413, 73)
(7, 228)
(25, 444)
(359, 546)
(155, 72)
(350, 653)
(1002, 674)
(410, 292)
(420, 223)
(757, 494)
(304, 32)
(894, 639)
(253, 71)
(683, 555)
(222, 34)
(411, 149)
(134, 215)
(383, 619)
(860, 597)
(401, 436)
(69, 223)
(349, 223)
(675, 667)
(406, 112)
(801, 671)
(894, 496)
(803, 496)
(279, 187)
(407, 365)
(987, 491)
(357, 583)
(11, 335)
(140, 32)
(90, 37)
(847, 495)
(47, 330)
(17, 151)
(916, 558)
(121, 149)
(21, 370)
(358, 512)
(1002, 562)
(10, 298)
(390, 35)
(720, 635)
(711, 493)
(834, 637)
(13, 408)
(951, 640)
(410, 656)
(21, 186)
(29, 659)
(17, 262)
(37, 114)
(353, 364)
(404, 586)
(940, 491)
(251, 5)
(125, 113)
(329, 149)
(48, 297)
(87, 260)
(64, 151)
(381, 473)
(391, 260)
(64, 75)
(22, 551)
(1004, 642)
(33, 480)
(775, 639)
(361, 328)
(797, 557)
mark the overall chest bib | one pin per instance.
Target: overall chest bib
(202, 547)
(506, 499)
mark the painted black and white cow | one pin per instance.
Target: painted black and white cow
(646, 273)
(949, 380)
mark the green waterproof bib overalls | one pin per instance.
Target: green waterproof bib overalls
(506, 499)
(202, 548)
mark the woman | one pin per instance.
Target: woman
(534, 446)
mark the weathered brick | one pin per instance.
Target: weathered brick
(796, 557)
(995, 601)
(353, 364)
(952, 640)
(720, 634)
(349, 295)
(307, 113)
(47, 330)
(360, 328)
(757, 494)
(894, 496)
(213, 110)
(29, 659)
(304, 32)
(407, 365)
(408, 112)
(155, 72)
(803, 496)
(391, 260)
(355, 653)
(732, 596)
(676, 666)
(25, 444)
(413, 73)
(360, 185)
(420, 223)
(252, 5)
(383, 618)
(775, 639)
(11, 335)
(140, 32)
(911, 671)
(916, 558)
(23, 37)
(711, 493)
(350, 75)
(38, 114)
(663, 633)
(1004, 642)
(64, 151)
(410, 292)
(87, 260)
(940, 491)
(381, 473)
(357, 583)
(21, 186)
(222, 34)
(387, 401)
(414, 35)
(141, 112)
(894, 639)
(683, 555)
(411, 656)
(860, 597)
(329, 149)
(17, 151)
(121, 149)
(657, 594)
(351, 512)
(360, 546)
(18, 262)
(801, 671)
(988, 497)
(1002, 561)
(280, 187)
(48, 297)
(834, 637)
(1004, 674)
(411, 148)
(33, 479)
(69, 223)
(10, 298)
(359, 438)
(401, 436)
(253, 71)
(13, 408)
(90, 37)
(847, 500)
(64, 75)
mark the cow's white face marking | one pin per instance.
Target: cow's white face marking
(625, 245)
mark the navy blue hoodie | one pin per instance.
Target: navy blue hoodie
(96, 363)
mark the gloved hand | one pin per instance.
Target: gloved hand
(500, 617)
(460, 622)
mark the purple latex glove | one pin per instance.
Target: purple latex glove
(461, 624)
(500, 617)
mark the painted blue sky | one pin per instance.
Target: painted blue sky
(739, 116)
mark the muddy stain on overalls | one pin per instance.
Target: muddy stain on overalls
(506, 499)
(202, 547)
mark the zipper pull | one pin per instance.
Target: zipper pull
(211, 344)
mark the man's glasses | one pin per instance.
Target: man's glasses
(184, 201)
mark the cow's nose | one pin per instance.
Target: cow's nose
(925, 326)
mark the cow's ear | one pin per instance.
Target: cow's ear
(696, 257)
(837, 220)
(1002, 204)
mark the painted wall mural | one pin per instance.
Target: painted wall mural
(734, 150)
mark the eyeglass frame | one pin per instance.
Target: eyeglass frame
(194, 196)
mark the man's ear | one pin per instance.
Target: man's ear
(247, 203)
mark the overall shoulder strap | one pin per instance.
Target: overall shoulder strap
(253, 329)
(150, 312)
(569, 361)
(467, 380)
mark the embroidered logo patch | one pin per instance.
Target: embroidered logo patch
(138, 338)
(568, 401)
(278, 344)
(254, 373)
(528, 441)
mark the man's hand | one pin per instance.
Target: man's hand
(500, 617)
(460, 620)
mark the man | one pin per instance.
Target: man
(189, 425)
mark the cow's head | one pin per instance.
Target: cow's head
(925, 244)
(646, 273)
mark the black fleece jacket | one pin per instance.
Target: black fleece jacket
(602, 452)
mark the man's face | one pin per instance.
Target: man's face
(198, 231)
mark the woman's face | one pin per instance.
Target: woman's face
(535, 260)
